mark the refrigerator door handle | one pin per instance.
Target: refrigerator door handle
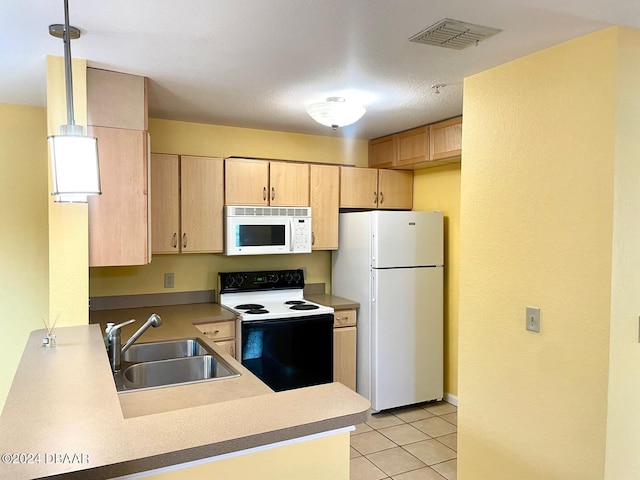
(373, 287)
(373, 245)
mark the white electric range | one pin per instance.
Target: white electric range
(282, 338)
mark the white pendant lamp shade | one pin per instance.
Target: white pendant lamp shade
(74, 167)
(336, 112)
(74, 156)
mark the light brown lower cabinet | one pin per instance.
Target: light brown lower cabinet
(344, 348)
(223, 333)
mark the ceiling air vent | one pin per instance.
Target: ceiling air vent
(454, 34)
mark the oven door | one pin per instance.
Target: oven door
(289, 353)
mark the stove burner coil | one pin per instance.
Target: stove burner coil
(294, 302)
(257, 311)
(249, 306)
(305, 306)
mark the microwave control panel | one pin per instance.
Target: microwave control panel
(302, 234)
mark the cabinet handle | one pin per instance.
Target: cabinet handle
(381, 198)
(264, 193)
(273, 193)
(375, 198)
(313, 238)
(184, 240)
(233, 354)
(215, 332)
(175, 240)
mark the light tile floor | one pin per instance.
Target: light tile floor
(412, 443)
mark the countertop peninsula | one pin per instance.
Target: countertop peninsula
(63, 401)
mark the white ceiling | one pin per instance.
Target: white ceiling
(258, 63)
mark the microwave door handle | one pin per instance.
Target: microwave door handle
(291, 234)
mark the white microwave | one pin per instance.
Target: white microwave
(267, 230)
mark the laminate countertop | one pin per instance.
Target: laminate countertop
(64, 419)
(338, 303)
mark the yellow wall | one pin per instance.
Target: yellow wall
(623, 425)
(24, 294)
(318, 459)
(536, 229)
(439, 189)
(199, 272)
(68, 223)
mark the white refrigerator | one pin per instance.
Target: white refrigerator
(392, 263)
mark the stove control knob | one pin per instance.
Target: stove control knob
(229, 281)
(239, 279)
(288, 277)
(296, 277)
(273, 278)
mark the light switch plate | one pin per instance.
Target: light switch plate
(168, 280)
(533, 319)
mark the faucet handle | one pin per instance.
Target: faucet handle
(112, 327)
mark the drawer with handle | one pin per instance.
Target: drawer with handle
(218, 330)
(343, 318)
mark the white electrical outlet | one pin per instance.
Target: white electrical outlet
(168, 280)
(533, 319)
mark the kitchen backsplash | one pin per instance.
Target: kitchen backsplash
(199, 272)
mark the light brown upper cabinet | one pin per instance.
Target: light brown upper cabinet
(186, 204)
(376, 188)
(260, 182)
(421, 147)
(325, 199)
(395, 189)
(118, 219)
(446, 140)
(382, 152)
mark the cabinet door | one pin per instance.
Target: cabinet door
(344, 356)
(289, 184)
(325, 204)
(412, 146)
(165, 204)
(358, 187)
(382, 152)
(201, 181)
(118, 219)
(395, 190)
(228, 346)
(246, 182)
(446, 139)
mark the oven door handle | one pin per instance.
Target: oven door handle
(322, 317)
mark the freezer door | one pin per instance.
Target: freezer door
(407, 239)
(407, 336)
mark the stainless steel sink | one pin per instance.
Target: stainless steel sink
(170, 363)
(152, 351)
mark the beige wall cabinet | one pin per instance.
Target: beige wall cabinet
(376, 188)
(382, 152)
(223, 333)
(446, 140)
(186, 204)
(344, 348)
(325, 203)
(260, 182)
(421, 147)
(118, 219)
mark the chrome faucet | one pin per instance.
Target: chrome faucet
(113, 341)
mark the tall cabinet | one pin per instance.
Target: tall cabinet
(119, 218)
(187, 204)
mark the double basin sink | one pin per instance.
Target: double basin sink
(169, 363)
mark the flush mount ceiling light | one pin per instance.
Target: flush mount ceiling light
(336, 112)
(74, 156)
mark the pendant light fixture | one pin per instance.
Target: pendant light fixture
(74, 156)
(336, 112)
